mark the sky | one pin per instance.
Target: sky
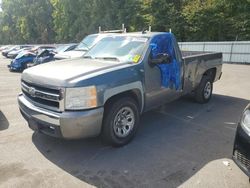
(0, 5)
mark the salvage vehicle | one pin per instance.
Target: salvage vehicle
(241, 151)
(38, 49)
(12, 54)
(47, 55)
(87, 43)
(118, 79)
(44, 56)
(21, 61)
(27, 57)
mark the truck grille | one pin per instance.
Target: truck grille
(242, 159)
(43, 97)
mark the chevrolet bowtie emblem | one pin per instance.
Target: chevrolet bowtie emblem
(32, 91)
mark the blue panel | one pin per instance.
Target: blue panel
(170, 73)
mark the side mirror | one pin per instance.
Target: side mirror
(161, 58)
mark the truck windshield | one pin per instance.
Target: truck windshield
(87, 43)
(118, 48)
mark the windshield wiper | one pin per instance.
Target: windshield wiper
(85, 50)
(79, 49)
(108, 58)
(88, 57)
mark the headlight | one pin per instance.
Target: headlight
(245, 121)
(80, 98)
(17, 63)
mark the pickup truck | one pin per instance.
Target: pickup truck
(105, 92)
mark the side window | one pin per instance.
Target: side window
(170, 72)
(161, 44)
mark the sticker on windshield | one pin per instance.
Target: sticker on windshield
(139, 39)
(136, 58)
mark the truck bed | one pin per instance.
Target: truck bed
(193, 53)
(196, 63)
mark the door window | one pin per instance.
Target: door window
(170, 73)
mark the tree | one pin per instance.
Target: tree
(27, 21)
(61, 21)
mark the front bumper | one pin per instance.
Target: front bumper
(12, 56)
(241, 151)
(68, 125)
(4, 54)
(14, 68)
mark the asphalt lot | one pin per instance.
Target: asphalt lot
(182, 144)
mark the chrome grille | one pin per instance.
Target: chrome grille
(44, 97)
(242, 159)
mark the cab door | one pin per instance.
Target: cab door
(163, 83)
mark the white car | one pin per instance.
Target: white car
(87, 43)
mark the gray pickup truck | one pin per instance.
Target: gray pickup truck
(105, 92)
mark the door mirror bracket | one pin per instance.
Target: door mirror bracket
(161, 58)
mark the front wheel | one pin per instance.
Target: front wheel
(204, 91)
(121, 121)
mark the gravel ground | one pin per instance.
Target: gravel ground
(181, 144)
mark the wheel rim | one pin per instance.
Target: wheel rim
(124, 122)
(207, 90)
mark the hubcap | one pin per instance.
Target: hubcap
(124, 122)
(207, 90)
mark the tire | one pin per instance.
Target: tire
(204, 91)
(121, 120)
(24, 67)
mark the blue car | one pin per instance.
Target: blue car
(44, 56)
(21, 61)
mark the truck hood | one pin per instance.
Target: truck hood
(70, 54)
(67, 73)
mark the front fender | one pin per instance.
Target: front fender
(124, 88)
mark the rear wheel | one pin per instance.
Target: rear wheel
(205, 89)
(121, 121)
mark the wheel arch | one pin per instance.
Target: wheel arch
(135, 93)
(211, 72)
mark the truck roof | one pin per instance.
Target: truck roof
(137, 34)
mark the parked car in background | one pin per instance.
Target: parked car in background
(87, 43)
(118, 79)
(26, 58)
(12, 54)
(38, 49)
(65, 48)
(5, 47)
(241, 151)
(44, 56)
(47, 55)
(13, 48)
(21, 61)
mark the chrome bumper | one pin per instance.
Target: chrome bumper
(69, 125)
